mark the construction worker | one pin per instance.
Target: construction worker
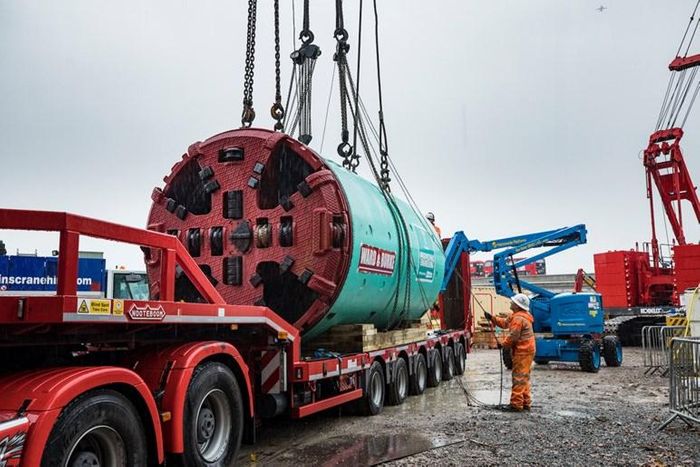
(521, 341)
(431, 218)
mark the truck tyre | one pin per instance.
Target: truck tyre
(213, 418)
(373, 401)
(419, 378)
(612, 351)
(507, 358)
(541, 361)
(449, 364)
(435, 371)
(100, 427)
(589, 356)
(398, 389)
(460, 359)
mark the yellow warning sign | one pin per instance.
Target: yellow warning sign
(95, 307)
(118, 307)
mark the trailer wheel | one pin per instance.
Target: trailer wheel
(460, 359)
(612, 351)
(373, 401)
(435, 371)
(419, 379)
(398, 390)
(507, 358)
(213, 418)
(449, 366)
(589, 356)
(101, 427)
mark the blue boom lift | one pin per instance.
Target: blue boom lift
(569, 326)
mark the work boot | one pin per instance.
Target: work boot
(512, 408)
(526, 407)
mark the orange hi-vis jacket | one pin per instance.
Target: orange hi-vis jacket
(521, 337)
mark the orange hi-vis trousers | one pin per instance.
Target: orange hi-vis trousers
(520, 393)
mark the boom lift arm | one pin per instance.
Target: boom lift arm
(504, 277)
(459, 243)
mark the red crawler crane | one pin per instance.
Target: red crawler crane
(645, 279)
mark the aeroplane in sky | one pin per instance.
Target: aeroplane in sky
(601, 8)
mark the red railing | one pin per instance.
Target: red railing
(70, 227)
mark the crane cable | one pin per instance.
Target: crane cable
(360, 131)
(304, 60)
(356, 90)
(681, 82)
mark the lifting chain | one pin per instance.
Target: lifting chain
(345, 149)
(248, 112)
(385, 179)
(277, 110)
(383, 154)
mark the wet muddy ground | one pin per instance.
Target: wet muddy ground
(578, 418)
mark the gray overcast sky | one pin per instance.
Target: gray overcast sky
(503, 117)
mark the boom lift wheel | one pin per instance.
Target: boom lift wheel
(398, 390)
(449, 367)
(612, 351)
(460, 359)
(589, 356)
(373, 401)
(101, 427)
(213, 419)
(419, 378)
(507, 358)
(435, 371)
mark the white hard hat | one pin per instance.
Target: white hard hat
(430, 216)
(522, 300)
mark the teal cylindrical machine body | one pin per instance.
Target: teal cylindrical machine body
(397, 292)
(272, 223)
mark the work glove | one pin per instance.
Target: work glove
(488, 315)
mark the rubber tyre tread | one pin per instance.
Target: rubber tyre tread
(610, 344)
(507, 358)
(208, 376)
(433, 379)
(585, 356)
(367, 406)
(460, 359)
(415, 388)
(394, 398)
(98, 407)
(448, 368)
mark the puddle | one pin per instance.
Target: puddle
(353, 450)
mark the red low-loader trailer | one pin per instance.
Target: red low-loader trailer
(130, 382)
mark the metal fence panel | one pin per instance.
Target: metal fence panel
(684, 392)
(656, 347)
